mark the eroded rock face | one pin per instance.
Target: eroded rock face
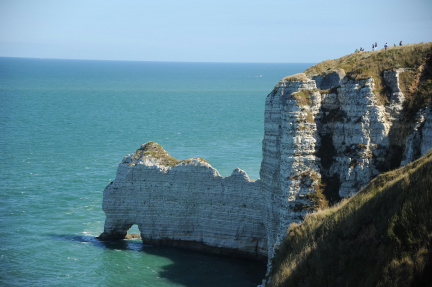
(185, 203)
(342, 137)
(419, 142)
(395, 106)
(358, 130)
(289, 166)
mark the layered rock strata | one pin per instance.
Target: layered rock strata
(332, 141)
(289, 169)
(354, 135)
(185, 203)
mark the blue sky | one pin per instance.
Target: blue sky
(208, 31)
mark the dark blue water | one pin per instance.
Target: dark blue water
(64, 127)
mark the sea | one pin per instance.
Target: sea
(65, 125)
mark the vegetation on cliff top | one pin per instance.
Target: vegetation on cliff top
(417, 87)
(380, 237)
(300, 77)
(362, 65)
(156, 151)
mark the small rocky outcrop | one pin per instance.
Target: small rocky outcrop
(185, 203)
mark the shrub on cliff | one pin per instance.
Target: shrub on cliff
(380, 237)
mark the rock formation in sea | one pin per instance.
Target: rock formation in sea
(326, 135)
(185, 203)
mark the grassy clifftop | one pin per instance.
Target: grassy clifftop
(156, 151)
(380, 237)
(361, 65)
(416, 83)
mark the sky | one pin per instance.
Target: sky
(272, 31)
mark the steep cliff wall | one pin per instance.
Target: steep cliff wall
(185, 203)
(289, 166)
(312, 137)
(419, 141)
(330, 134)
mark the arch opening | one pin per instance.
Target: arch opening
(133, 232)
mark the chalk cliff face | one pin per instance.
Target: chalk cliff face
(419, 141)
(185, 203)
(289, 169)
(332, 141)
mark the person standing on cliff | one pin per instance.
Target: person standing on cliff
(385, 46)
(400, 43)
(373, 47)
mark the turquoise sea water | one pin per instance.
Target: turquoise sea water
(64, 127)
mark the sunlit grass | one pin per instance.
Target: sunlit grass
(380, 237)
(362, 65)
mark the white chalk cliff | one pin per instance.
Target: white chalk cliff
(185, 203)
(340, 137)
(323, 134)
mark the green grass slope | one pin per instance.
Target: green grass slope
(382, 236)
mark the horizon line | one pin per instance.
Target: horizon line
(153, 61)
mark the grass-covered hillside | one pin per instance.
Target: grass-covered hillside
(416, 83)
(380, 237)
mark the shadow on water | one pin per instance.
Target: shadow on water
(189, 268)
